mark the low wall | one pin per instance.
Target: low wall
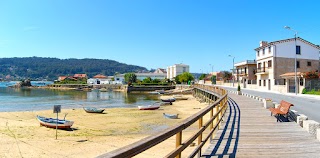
(148, 88)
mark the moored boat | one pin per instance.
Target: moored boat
(171, 116)
(150, 107)
(53, 122)
(103, 90)
(93, 110)
(154, 92)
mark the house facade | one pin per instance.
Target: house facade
(245, 72)
(176, 69)
(275, 69)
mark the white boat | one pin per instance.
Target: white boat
(154, 92)
(54, 123)
(150, 107)
(180, 97)
(171, 116)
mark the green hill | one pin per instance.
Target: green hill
(38, 68)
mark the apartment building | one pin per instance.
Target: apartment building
(276, 64)
(245, 72)
(176, 69)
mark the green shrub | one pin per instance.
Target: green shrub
(304, 91)
(239, 88)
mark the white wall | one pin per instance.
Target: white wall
(287, 50)
(177, 69)
(266, 53)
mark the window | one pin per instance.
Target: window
(259, 65)
(298, 50)
(245, 70)
(263, 51)
(301, 81)
(259, 82)
(269, 63)
(309, 63)
(269, 48)
(257, 53)
(264, 82)
(298, 64)
(184, 69)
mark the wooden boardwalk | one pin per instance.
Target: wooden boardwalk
(249, 131)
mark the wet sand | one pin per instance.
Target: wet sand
(92, 134)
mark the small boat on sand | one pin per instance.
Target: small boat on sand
(53, 122)
(170, 116)
(150, 107)
(169, 100)
(180, 97)
(93, 110)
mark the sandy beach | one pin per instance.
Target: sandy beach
(92, 134)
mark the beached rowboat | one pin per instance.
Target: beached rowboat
(150, 107)
(171, 116)
(170, 100)
(53, 122)
(93, 110)
(180, 97)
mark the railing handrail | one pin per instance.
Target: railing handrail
(148, 142)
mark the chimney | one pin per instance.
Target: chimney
(263, 43)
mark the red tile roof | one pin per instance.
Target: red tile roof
(80, 75)
(100, 76)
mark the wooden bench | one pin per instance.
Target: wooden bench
(282, 109)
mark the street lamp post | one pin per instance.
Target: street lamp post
(232, 69)
(211, 67)
(295, 58)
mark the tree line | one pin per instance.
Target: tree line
(50, 68)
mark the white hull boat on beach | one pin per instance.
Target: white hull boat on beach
(150, 107)
(170, 116)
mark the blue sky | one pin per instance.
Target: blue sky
(152, 33)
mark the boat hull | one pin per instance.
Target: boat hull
(93, 110)
(149, 107)
(53, 123)
(170, 116)
(169, 100)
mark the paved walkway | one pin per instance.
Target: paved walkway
(249, 131)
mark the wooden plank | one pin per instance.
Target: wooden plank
(257, 134)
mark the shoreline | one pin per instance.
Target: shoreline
(93, 134)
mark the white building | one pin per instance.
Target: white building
(276, 63)
(176, 69)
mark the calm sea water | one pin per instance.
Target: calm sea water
(12, 99)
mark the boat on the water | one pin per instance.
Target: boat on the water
(150, 107)
(170, 116)
(103, 90)
(93, 110)
(53, 122)
(154, 92)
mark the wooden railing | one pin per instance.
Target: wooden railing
(217, 98)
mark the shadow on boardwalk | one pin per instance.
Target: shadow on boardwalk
(229, 136)
(259, 134)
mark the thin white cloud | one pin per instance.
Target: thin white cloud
(31, 28)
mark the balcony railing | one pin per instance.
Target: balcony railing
(242, 74)
(262, 70)
(246, 62)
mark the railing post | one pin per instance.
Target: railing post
(178, 142)
(218, 116)
(200, 136)
(211, 125)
